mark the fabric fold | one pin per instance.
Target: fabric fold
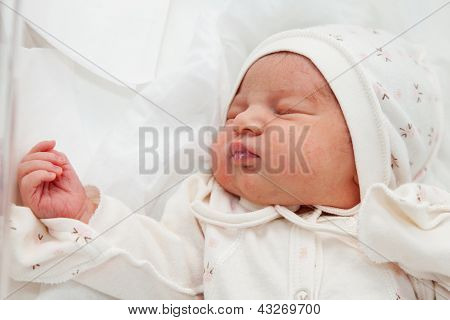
(409, 226)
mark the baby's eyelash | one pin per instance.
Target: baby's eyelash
(292, 109)
(284, 109)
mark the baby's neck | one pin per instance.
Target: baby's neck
(304, 209)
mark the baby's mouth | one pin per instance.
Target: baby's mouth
(241, 153)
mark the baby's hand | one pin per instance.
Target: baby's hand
(50, 187)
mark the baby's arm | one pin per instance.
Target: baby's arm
(118, 252)
(411, 227)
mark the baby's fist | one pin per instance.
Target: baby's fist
(50, 187)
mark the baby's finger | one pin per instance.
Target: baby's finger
(60, 155)
(32, 180)
(43, 146)
(45, 156)
(34, 165)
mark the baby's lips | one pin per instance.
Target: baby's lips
(238, 146)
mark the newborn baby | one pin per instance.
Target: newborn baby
(314, 191)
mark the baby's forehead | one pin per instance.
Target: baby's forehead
(284, 72)
(286, 61)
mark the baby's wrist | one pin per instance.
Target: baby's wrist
(91, 203)
(88, 210)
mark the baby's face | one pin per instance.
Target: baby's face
(285, 140)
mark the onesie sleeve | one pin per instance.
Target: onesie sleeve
(411, 227)
(119, 252)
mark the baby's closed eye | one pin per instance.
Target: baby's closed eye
(298, 108)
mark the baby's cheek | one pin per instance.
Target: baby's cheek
(221, 165)
(339, 153)
(309, 155)
(279, 154)
(337, 137)
(218, 150)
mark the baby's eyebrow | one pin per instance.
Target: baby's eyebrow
(316, 96)
(300, 97)
(312, 97)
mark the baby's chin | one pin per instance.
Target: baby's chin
(253, 189)
(268, 199)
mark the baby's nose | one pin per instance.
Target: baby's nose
(251, 130)
(251, 121)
